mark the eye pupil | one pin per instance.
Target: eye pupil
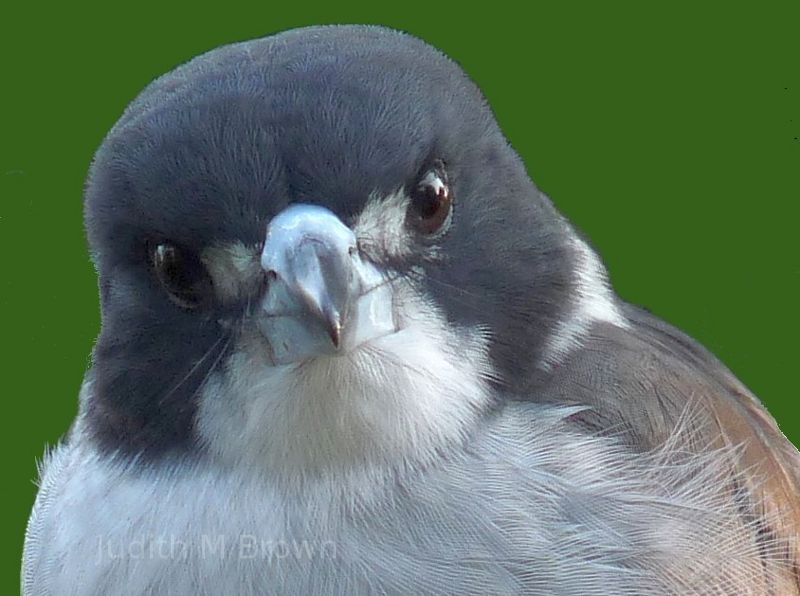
(435, 195)
(431, 202)
(182, 275)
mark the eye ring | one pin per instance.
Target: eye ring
(181, 274)
(431, 201)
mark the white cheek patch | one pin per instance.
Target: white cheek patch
(592, 301)
(394, 400)
(381, 227)
(234, 269)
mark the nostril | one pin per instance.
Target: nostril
(272, 275)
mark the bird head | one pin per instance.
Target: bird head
(316, 249)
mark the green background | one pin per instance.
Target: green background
(671, 135)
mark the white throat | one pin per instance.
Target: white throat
(395, 400)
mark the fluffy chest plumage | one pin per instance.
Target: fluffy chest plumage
(541, 511)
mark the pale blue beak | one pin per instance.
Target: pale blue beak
(323, 298)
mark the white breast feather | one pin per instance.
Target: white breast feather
(527, 506)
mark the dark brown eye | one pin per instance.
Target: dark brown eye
(431, 202)
(182, 275)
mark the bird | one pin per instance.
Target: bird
(348, 346)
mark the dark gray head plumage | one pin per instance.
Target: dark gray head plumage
(209, 153)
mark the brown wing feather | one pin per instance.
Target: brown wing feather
(640, 382)
(771, 461)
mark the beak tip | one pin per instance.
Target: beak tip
(335, 333)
